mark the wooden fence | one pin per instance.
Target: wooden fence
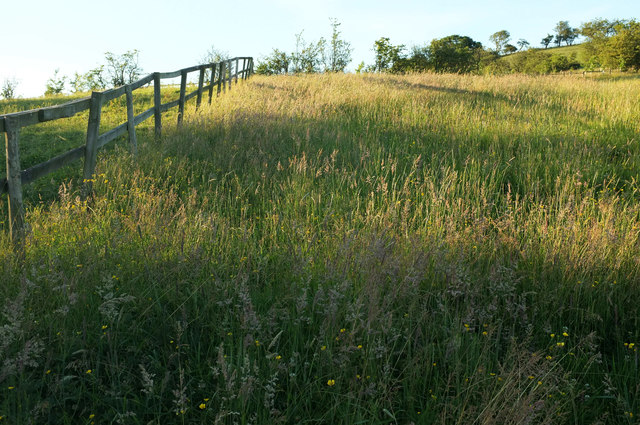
(223, 74)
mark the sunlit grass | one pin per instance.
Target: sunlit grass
(342, 249)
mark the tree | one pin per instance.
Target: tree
(571, 36)
(55, 84)
(308, 57)
(312, 57)
(558, 40)
(565, 33)
(523, 44)
(547, 40)
(123, 69)
(339, 54)
(598, 29)
(276, 63)
(597, 32)
(418, 61)
(8, 90)
(455, 53)
(612, 44)
(622, 50)
(500, 39)
(213, 55)
(386, 54)
(90, 81)
(509, 49)
(94, 79)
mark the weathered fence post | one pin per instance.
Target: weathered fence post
(222, 79)
(14, 181)
(200, 85)
(237, 62)
(230, 73)
(183, 89)
(157, 104)
(91, 147)
(131, 125)
(213, 77)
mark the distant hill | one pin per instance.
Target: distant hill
(574, 54)
(568, 51)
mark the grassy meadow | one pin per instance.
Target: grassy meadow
(339, 249)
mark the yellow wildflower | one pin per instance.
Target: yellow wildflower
(331, 382)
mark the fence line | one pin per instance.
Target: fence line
(11, 124)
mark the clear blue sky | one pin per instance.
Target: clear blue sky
(73, 35)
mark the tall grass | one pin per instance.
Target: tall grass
(343, 249)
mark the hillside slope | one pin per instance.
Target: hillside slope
(343, 249)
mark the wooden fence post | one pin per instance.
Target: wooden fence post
(230, 71)
(222, 80)
(91, 147)
(14, 181)
(237, 63)
(131, 125)
(157, 104)
(213, 77)
(200, 85)
(183, 89)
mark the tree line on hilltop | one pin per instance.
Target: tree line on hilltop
(612, 44)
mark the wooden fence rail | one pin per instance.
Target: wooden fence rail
(222, 75)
